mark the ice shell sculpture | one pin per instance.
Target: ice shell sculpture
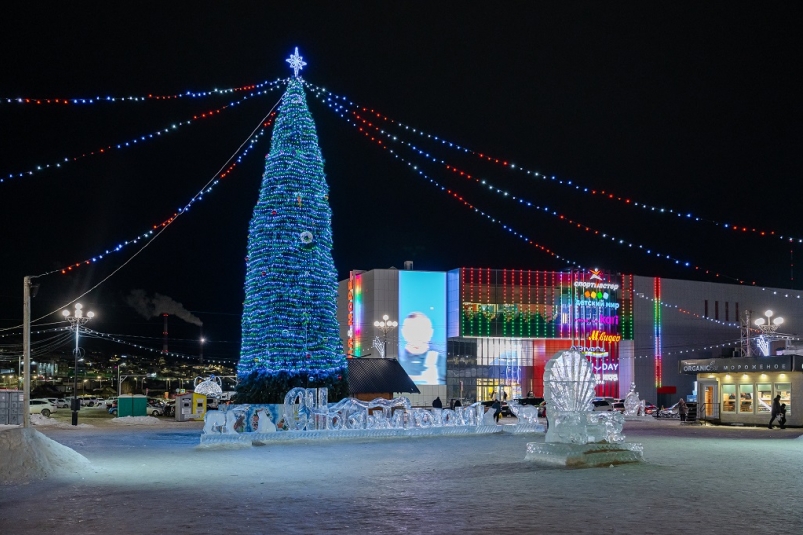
(569, 382)
(577, 436)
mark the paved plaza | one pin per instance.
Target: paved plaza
(155, 479)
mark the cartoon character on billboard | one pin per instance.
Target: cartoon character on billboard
(423, 364)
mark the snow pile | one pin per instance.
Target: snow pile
(27, 454)
(44, 421)
(136, 420)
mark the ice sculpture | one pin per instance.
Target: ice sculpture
(524, 413)
(211, 386)
(632, 403)
(265, 424)
(224, 422)
(576, 435)
(306, 413)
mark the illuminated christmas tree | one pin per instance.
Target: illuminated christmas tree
(290, 334)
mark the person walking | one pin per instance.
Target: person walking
(497, 408)
(782, 416)
(776, 409)
(683, 410)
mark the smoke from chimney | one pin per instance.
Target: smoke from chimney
(151, 307)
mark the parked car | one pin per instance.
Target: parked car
(60, 403)
(41, 406)
(154, 410)
(649, 408)
(619, 406)
(89, 401)
(671, 412)
(602, 405)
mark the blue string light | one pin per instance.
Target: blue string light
(340, 101)
(137, 140)
(109, 99)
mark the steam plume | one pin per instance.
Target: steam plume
(159, 304)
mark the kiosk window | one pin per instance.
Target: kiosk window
(764, 398)
(745, 398)
(785, 390)
(728, 398)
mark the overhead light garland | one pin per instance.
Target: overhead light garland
(149, 96)
(545, 209)
(137, 140)
(457, 195)
(150, 233)
(364, 125)
(66, 337)
(686, 215)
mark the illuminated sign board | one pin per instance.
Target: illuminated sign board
(600, 336)
(422, 326)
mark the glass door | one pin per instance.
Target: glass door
(708, 406)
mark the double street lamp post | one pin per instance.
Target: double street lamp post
(386, 325)
(77, 319)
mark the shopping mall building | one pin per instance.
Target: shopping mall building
(478, 333)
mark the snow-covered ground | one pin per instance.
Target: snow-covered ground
(155, 479)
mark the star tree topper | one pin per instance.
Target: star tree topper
(296, 63)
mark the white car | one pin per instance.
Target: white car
(601, 405)
(89, 401)
(41, 406)
(60, 403)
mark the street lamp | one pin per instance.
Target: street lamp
(771, 325)
(119, 391)
(386, 325)
(76, 319)
(767, 329)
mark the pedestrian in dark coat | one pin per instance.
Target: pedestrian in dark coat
(497, 408)
(437, 404)
(776, 409)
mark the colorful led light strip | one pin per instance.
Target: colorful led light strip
(524, 202)
(150, 232)
(332, 98)
(657, 331)
(155, 135)
(150, 96)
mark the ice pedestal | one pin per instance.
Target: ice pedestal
(583, 455)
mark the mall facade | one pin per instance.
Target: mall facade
(478, 333)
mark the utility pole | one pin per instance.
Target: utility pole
(26, 350)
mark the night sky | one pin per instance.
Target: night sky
(694, 108)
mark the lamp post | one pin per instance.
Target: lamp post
(771, 325)
(386, 325)
(767, 328)
(76, 319)
(119, 391)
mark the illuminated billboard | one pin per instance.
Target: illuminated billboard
(422, 326)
